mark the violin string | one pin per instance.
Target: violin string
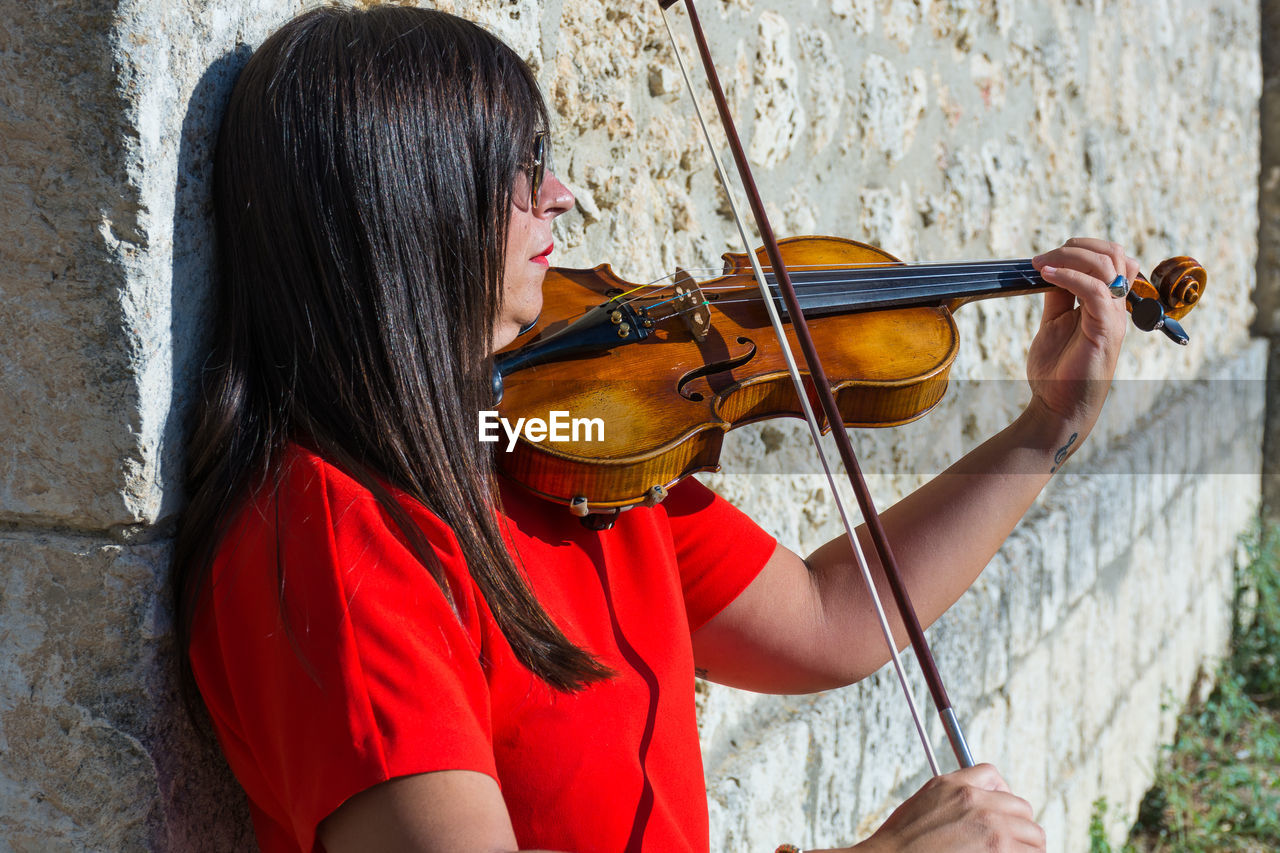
(882, 291)
(908, 276)
(893, 273)
(634, 289)
(911, 274)
(992, 262)
(679, 312)
(810, 418)
(962, 266)
(663, 302)
(904, 282)
(811, 289)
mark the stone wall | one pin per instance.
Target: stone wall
(937, 129)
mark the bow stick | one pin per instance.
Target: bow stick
(823, 388)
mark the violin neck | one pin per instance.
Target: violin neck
(840, 290)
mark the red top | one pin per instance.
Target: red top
(381, 679)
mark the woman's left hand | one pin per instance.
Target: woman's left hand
(1073, 356)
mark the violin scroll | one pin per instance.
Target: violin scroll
(1177, 284)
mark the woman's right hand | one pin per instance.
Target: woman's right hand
(968, 810)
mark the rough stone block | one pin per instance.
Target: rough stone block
(1022, 592)
(1070, 678)
(1026, 764)
(99, 754)
(964, 643)
(757, 798)
(987, 729)
(1147, 571)
(1102, 686)
(1075, 500)
(992, 584)
(1141, 446)
(835, 757)
(730, 720)
(69, 393)
(993, 640)
(1113, 512)
(1052, 817)
(1128, 750)
(1182, 542)
(1117, 599)
(892, 755)
(1079, 792)
(1050, 528)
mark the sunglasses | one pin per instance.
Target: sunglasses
(529, 182)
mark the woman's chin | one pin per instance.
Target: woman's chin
(507, 332)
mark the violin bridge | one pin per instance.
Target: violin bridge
(691, 305)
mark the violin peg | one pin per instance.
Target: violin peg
(1173, 330)
(1147, 313)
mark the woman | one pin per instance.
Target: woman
(398, 650)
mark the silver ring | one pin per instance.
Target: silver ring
(1119, 288)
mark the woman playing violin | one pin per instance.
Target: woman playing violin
(398, 649)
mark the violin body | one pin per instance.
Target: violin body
(666, 402)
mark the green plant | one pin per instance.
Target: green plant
(1255, 654)
(1098, 842)
(1218, 788)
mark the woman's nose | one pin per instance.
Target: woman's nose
(554, 198)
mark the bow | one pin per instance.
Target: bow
(831, 412)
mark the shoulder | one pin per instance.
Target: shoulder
(307, 496)
(306, 481)
(314, 535)
(314, 572)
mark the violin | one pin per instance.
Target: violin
(661, 372)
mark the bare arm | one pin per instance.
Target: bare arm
(806, 625)
(455, 810)
(427, 813)
(820, 630)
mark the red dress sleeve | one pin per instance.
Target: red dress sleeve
(719, 549)
(316, 710)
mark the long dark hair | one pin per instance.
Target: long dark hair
(362, 188)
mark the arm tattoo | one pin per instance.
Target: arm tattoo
(1063, 452)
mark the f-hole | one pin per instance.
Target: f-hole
(713, 368)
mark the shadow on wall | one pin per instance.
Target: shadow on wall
(201, 807)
